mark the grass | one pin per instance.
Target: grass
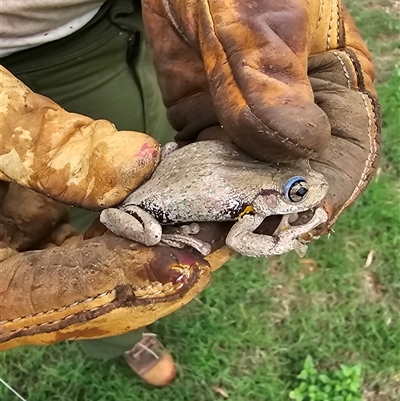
(249, 333)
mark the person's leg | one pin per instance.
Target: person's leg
(103, 71)
(111, 347)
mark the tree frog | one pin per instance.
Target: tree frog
(213, 181)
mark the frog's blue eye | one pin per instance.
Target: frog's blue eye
(295, 189)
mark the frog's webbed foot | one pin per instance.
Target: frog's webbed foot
(133, 223)
(167, 149)
(293, 234)
(179, 237)
(242, 239)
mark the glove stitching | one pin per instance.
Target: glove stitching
(321, 11)
(57, 310)
(372, 134)
(358, 69)
(345, 70)
(173, 20)
(373, 152)
(76, 314)
(90, 299)
(328, 39)
(338, 12)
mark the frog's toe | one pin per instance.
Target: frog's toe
(187, 229)
(180, 241)
(167, 149)
(135, 224)
(300, 248)
(320, 216)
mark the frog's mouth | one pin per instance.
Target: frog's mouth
(276, 223)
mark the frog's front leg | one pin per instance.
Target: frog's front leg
(133, 223)
(242, 239)
(182, 236)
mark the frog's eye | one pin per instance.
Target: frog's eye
(295, 189)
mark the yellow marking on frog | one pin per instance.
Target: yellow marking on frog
(247, 210)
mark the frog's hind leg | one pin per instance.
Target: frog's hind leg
(167, 149)
(183, 236)
(137, 225)
(242, 239)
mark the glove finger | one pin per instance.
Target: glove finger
(180, 70)
(351, 159)
(27, 218)
(341, 74)
(255, 68)
(100, 287)
(257, 71)
(67, 156)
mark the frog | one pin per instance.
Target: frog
(214, 181)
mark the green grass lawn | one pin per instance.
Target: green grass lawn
(249, 333)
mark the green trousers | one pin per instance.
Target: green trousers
(103, 71)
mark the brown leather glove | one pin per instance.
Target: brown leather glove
(77, 288)
(282, 80)
(285, 81)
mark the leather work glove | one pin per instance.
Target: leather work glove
(72, 287)
(281, 79)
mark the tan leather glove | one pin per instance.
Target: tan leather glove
(284, 80)
(74, 158)
(77, 288)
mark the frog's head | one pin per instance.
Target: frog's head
(296, 188)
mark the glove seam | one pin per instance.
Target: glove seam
(90, 299)
(345, 70)
(321, 11)
(358, 69)
(373, 128)
(76, 303)
(172, 19)
(372, 155)
(329, 33)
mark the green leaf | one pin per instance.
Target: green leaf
(303, 386)
(324, 378)
(308, 363)
(295, 395)
(338, 387)
(338, 398)
(339, 374)
(303, 375)
(355, 386)
(347, 370)
(357, 369)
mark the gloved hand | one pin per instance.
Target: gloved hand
(72, 287)
(282, 80)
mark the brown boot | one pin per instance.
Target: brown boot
(151, 361)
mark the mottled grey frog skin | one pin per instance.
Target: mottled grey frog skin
(210, 181)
